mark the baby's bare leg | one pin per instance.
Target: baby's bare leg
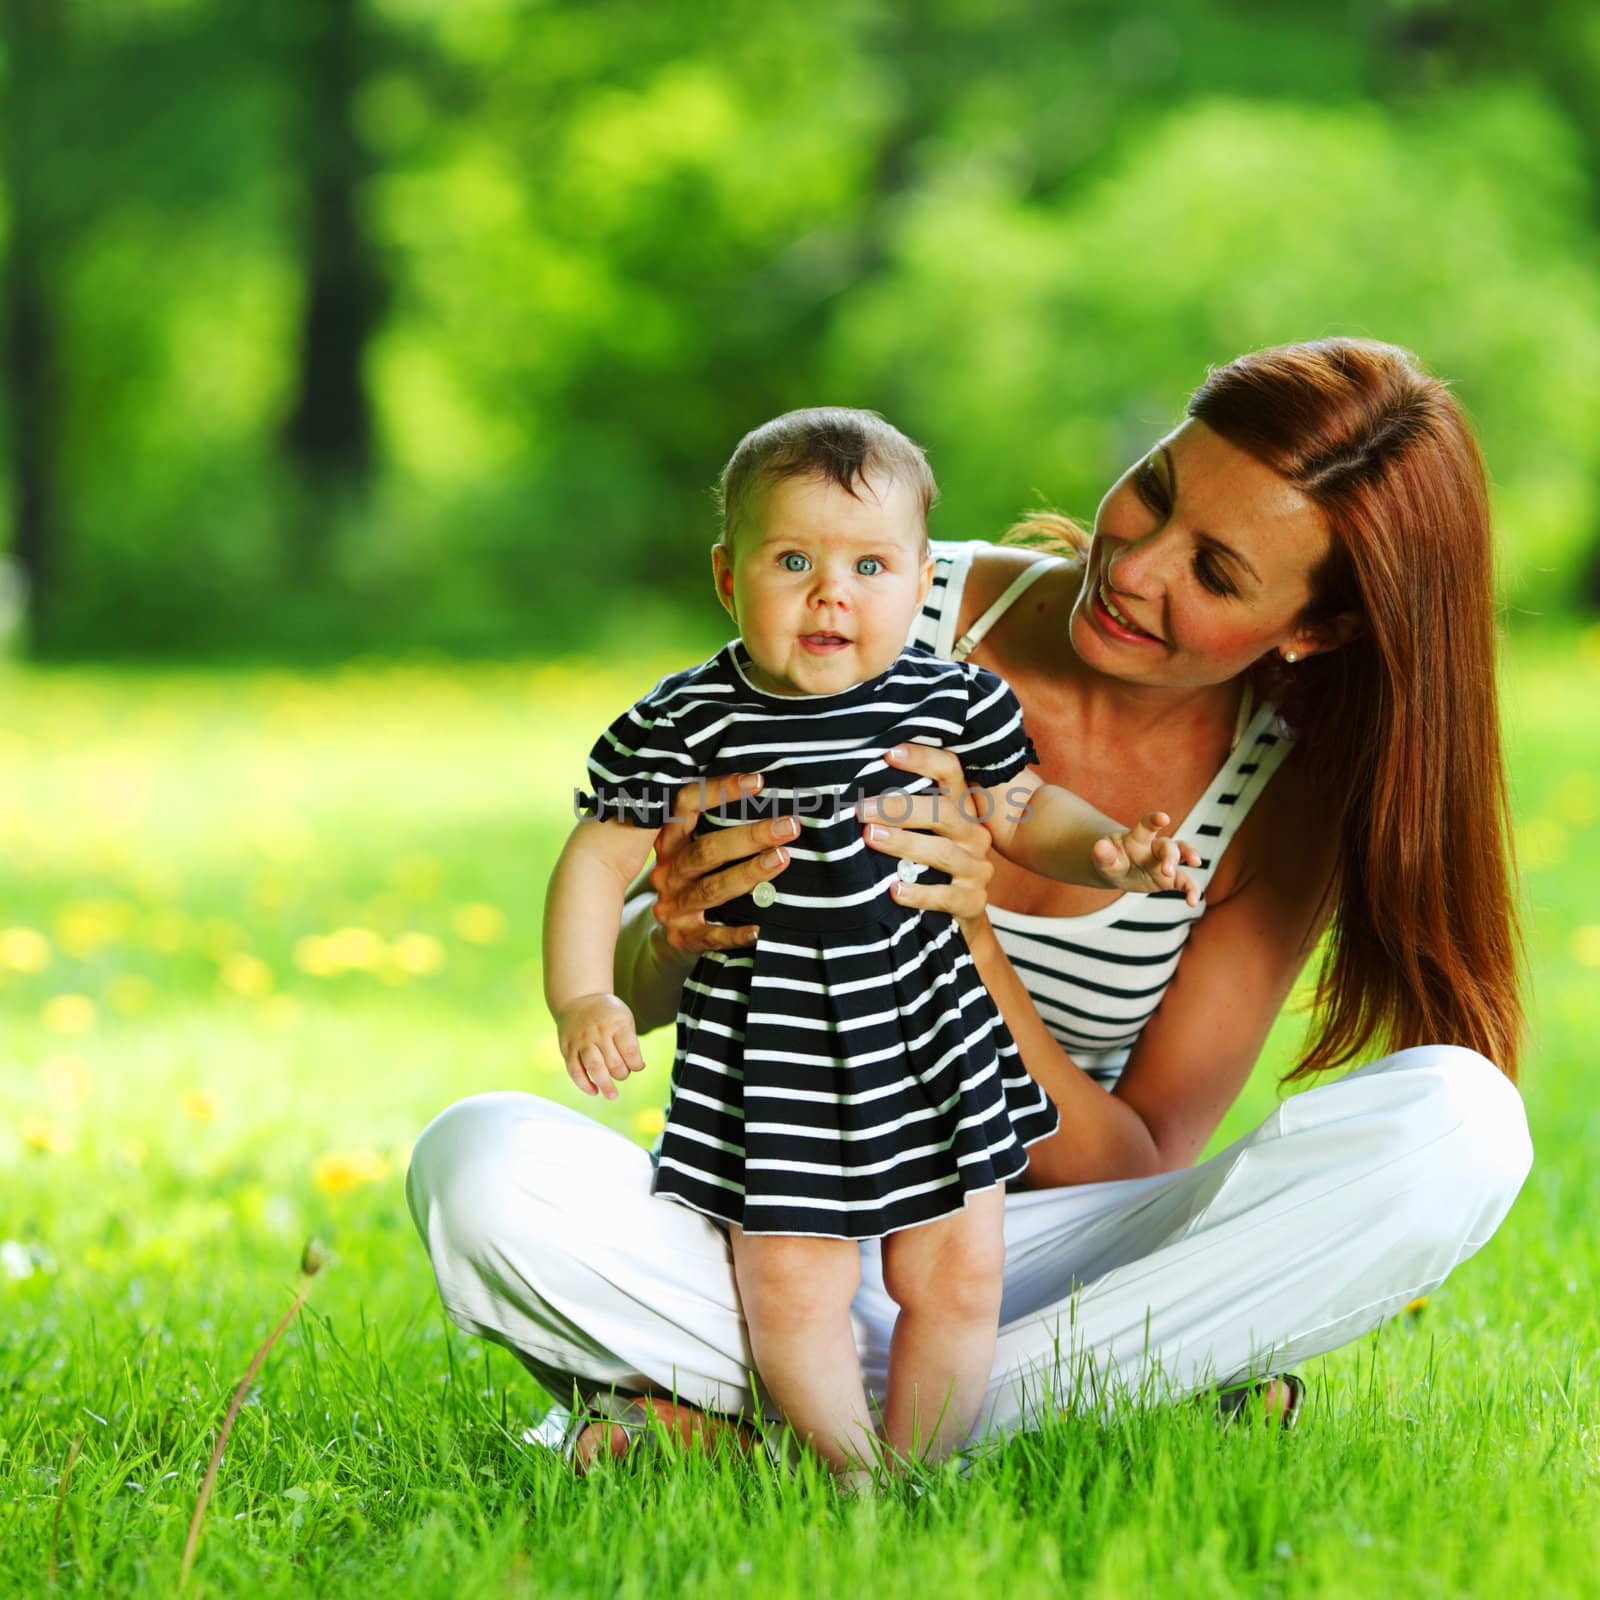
(796, 1294)
(946, 1278)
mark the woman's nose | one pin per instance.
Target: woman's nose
(1136, 567)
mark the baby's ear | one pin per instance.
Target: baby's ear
(927, 577)
(722, 575)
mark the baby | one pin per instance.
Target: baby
(847, 1077)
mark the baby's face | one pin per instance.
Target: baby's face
(824, 587)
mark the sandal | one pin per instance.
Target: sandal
(1233, 1403)
(561, 1429)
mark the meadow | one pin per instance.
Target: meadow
(257, 927)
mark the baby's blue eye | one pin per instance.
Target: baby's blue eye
(869, 561)
(793, 555)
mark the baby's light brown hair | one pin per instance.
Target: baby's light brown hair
(834, 444)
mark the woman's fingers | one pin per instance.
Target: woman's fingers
(694, 873)
(943, 830)
(709, 794)
(955, 855)
(715, 868)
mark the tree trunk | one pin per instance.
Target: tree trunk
(31, 31)
(329, 434)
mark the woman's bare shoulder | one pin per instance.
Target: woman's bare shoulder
(993, 568)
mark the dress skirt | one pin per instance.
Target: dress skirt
(844, 1086)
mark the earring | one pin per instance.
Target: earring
(1290, 657)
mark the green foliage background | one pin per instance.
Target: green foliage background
(608, 238)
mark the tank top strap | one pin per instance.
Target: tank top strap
(1259, 752)
(969, 641)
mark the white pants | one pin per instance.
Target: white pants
(1349, 1201)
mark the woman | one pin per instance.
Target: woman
(1283, 625)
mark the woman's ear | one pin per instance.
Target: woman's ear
(1318, 638)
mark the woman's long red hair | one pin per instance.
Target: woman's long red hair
(1400, 727)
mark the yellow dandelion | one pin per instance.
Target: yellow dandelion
(200, 1106)
(419, 955)
(85, 926)
(1416, 1307)
(339, 1171)
(69, 1014)
(43, 1135)
(649, 1122)
(247, 974)
(1585, 945)
(316, 957)
(479, 923)
(24, 950)
(356, 949)
(67, 1082)
(129, 995)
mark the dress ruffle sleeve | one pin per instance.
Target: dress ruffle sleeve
(994, 746)
(637, 766)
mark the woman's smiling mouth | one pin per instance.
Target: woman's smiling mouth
(1112, 621)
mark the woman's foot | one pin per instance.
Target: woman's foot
(630, 1424)
(1276, 1400)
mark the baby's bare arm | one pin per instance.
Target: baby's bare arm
(599, 1043)
(583, 907)
(1047, 829)
(1061, 836)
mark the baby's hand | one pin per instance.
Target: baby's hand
(1145, 861)
(598, 1043)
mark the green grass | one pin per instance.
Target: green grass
(200, 1069)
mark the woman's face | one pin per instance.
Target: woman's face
(1201, 563)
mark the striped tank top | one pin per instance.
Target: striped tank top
(1098, 978)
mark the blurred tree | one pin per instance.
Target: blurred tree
(329, 431)
(32, 40)
(385, 322)
(1552, 43)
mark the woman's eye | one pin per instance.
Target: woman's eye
(1211, 575)
(1149, 487)
(793, 555)
(870, 561)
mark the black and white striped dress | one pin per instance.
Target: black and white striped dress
(1098, 978)
(848, 1075)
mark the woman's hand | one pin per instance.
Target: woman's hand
(693, 874)
(936, 830)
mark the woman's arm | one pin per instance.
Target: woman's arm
(648, 972)
(1266, 911)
